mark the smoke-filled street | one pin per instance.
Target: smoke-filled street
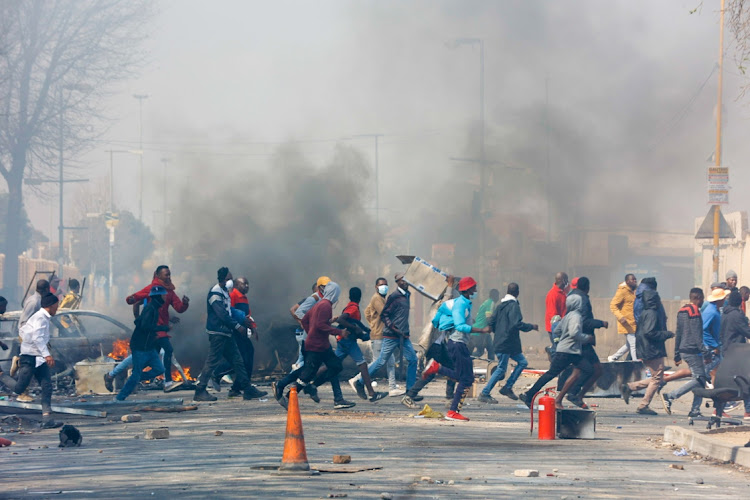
(374, 249)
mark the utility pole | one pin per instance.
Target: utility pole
(483, 165)
(60, 227)
(164, 161)
(140, 98)
(717, 154)
(546, 131)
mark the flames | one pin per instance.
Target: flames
(119, 350)
(177, 377)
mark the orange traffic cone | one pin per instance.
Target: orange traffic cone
(294, 460)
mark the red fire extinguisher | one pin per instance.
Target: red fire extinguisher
(547, 414)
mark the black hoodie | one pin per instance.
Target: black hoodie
(651, 332)
(507, 322)
(144, 335)
(734, 327)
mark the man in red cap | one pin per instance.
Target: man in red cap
(453, 320)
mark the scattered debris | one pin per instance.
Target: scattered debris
(676, 466)
(166, 409)
(681, 453)
(343, 470)
(160, 433)
(342, 459)
(5, 442)
(699, 481)
(133, 417)
(428, 412)
(467, 478)
(386, 496)
(69, 437)
(526, 473)
(337, 495)
(219, 433)
(451, 482)
(426, 479)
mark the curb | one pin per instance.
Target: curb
(703, 444)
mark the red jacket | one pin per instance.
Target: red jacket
(170, 299)
(554, 305)
(316, 323)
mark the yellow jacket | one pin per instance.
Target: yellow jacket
(622, 307)
(372, 315)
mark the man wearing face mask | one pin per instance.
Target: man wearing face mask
(220, 326)
(453, 318)
(372, 314)
(395, 317)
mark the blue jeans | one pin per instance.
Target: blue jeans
(390, 345)
(349, 347)
(390, 366)
(122, 366)
(502, 366)
(141, 359)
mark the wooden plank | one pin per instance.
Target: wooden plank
(55, 408)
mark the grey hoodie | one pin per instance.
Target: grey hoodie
(571, 327)
(332, 292)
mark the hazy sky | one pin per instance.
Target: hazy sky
(229, 80)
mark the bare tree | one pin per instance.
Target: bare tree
(738, 15)
(58, 59)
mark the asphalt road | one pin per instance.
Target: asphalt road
(419, 458)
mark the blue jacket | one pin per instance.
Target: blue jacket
(454, 315)
(711, 326)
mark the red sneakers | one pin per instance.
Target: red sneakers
(746, 417)
(431, 369)
(454, 415)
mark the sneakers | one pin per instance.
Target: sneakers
(108, 382)
(312, 391)
(431, 369)
(526, 398)
(695, 414)
(508, 393)
(409, 403)
(625, 393)
(277, 393)
(666, 401)
(746, 417)
(234, 394)
(378, 396)
(24, 398)
(172, 386)
(51, 424)
(645, 411)
(343, 403)
(14, 365)
(255, 393)
(358, 387)
(725, 415)
(395, 392)
(215, 384)
(487, 399)
(420, 398)
(611, 359)
(202, 395)
(454, 415)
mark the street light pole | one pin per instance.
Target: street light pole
(717, 155)
(482, 156)
(60, 228)
(140, 98)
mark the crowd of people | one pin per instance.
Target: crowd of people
(706, 328)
